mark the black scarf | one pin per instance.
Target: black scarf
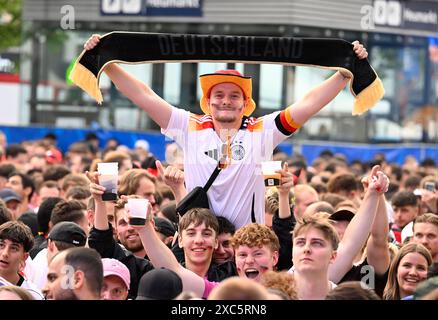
(134, 47)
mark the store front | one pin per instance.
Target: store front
(401, 41)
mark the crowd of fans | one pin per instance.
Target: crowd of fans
(333, 230)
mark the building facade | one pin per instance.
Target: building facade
(401, 36)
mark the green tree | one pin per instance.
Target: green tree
(10, 23)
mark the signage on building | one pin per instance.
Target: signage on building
(8, 62)
(151, 7)
(413, 15)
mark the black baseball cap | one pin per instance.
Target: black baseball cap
(68, 232)
(164, 227)
(342, 215)
(159, 284)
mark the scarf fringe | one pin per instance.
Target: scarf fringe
(366, 99)
(86, 80)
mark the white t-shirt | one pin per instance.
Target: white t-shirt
(38, 268)
(25, 284)
(407, 231)
(234, 189)
(31, 287)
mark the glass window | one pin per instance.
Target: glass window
(387, 61)
(239, 67)
(414, 64)
(307, 78)
(433, 55)
(142, 72)
(271, 86)
(172, 83)
(401, 68)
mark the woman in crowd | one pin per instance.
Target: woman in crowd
(408, 268)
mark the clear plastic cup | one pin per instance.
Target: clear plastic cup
(109, 173)
(271, 177)
(137, 211)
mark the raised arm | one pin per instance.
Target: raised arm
(284, 223)
(100, 215)
(359, 228)
(135, 90)
(162, 257)
(320, 96)
(429, 198)
(174, 178)
(287, 183)
(377, 246)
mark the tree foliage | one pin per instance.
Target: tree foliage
(10, 23)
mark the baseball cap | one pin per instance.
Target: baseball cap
(342, 215)
(159, 284)
(113, 267)
(164, 227)
(8, 194)
(53, 156)
(68, 232)
(142, 144)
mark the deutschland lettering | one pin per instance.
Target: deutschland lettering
(269, 47)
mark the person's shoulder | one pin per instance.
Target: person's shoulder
(41, 256)
(141, 264)
(252, 124)
(200, 117)
(200, 122)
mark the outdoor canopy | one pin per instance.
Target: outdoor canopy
(138, 47)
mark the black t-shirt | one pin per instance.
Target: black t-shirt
(362, 271)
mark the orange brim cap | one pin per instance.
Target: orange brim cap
(208, 81)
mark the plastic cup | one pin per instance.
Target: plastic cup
(109, 174)
(271, 177)
(137, 211)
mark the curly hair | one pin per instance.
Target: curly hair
(282, 281)
(255, 235)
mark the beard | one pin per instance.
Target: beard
(133, 247)
(67, 294)
(226, 114)
(225, 118)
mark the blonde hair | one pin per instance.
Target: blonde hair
(23, 294)
(427, 218)
(320, 222)
(130, 181)
(237, 288)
